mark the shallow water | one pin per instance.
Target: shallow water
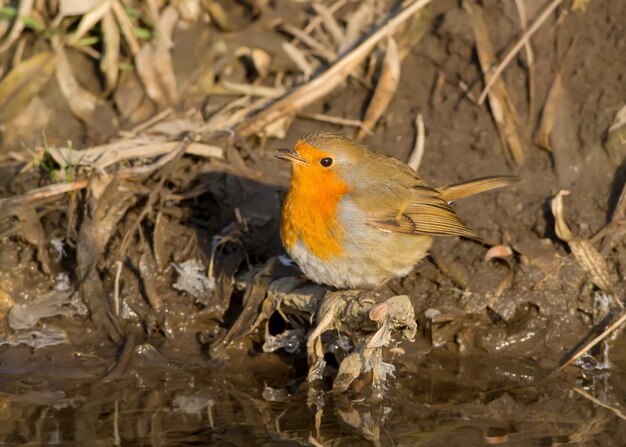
(442, 402)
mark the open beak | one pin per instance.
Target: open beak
(289, 155)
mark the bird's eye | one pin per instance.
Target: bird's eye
(326, 162)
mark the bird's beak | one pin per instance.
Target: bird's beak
(289, 155)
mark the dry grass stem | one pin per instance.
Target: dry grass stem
(327, 81)
(317, 20)
(495, 75)
(109, 154)
(329, 22)
(298, 58)
(594, 342)
(333, 120)
(116, 288)
(313, 44)
(415, 160)
(261, 91)
(44, 192)
(168, 150)
(151, 121)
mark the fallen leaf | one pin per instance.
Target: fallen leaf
(109, 64)
(498, 251)
(95, 112)
(89, 20)
(33, 232)
(557, 133)
(126, 26)
(542, 137)
(589, 259)
(27, 126)
(154, 63)
(23, 83)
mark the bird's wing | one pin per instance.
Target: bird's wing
(421, 211)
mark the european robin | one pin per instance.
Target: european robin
(355, 218)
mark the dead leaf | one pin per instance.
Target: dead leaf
(89, 20)
(542, 138)
(349, 370)
(589, 259)
(108, 200)
(385, 88)
(109, 64)
(155, 66)
(95, 112)
(32, 231)
(27, 126)
(126, 26)
(502, 108)
(23, 83)
(498, 251)
(557, 133)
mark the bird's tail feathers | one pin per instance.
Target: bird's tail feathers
(469, 188)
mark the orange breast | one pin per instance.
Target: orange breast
(310, 211)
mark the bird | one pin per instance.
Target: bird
(354, 218)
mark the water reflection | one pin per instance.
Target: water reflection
(507, 403)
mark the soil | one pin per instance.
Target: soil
(169, 369)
